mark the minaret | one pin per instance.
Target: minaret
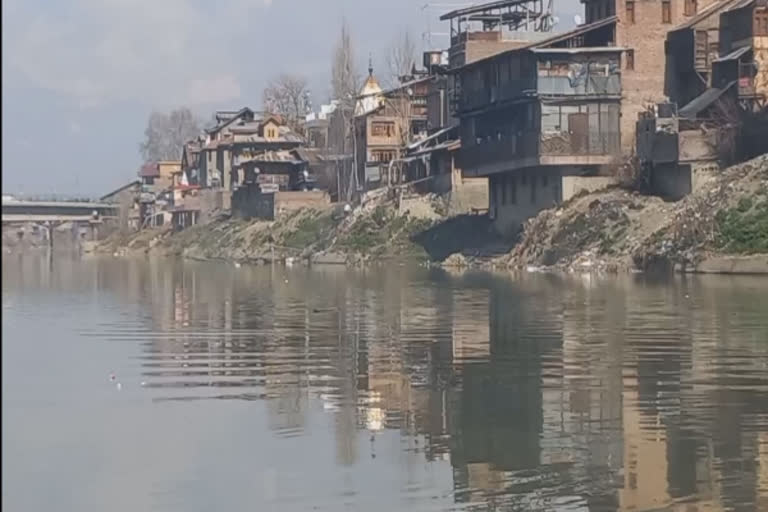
(370, 65)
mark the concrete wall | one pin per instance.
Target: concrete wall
(696, 145)
(573, 185)
(671, 181)
(703, 173)
(290, 201)
(468, 193)
(518, 195)
(251, 203)
(210, 200)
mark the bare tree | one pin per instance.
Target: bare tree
(165, 134)
(288, 96)
(401, 57)
(345, 84)
(345, 81)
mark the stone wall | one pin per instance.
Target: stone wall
(573, 185)
(675, 181)
(295, 200)
(252, 203)
(697, 145)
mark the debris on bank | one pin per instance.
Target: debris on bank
(615, 229)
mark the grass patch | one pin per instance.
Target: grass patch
(314, 229)
(743, 229)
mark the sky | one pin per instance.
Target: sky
(80, 77)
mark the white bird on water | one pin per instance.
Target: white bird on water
(237, 264)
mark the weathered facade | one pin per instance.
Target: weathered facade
(641, 27)
(384, 124)
(691, 50)
(744, 53)
(215, 158)
(532, 115)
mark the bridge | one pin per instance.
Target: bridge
(85, 217)
(22, 212)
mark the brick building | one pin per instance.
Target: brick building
(642, 27)
(539, 121)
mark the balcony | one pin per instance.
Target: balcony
(506, 153)
(533, 149)
(479, 98)
(579, 144)
(592, 86)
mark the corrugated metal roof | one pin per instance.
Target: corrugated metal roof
(735, 54)
(741, 4)
(708, 11)
(149, 170)
(701, 102)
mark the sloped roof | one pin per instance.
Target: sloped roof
(120, 189)
(227, 120)
(311, 155)
(370, 95)
(149, 170)
(281, 155)
(735, 54)
(705, 13)
(703, 101)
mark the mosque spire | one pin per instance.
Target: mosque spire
(370, 65)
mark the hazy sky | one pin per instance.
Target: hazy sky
(81, 76)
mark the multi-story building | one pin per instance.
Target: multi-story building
(238, 138)
(538, 118)
(641, 26)
(385, 123)
(215, 154)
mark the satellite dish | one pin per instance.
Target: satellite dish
(577, 19)
(555, 20)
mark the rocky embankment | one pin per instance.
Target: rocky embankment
(721, 227)
(380, 229)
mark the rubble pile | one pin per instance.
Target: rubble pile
(614, 229)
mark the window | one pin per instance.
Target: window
(149, 180)
(382, 129)
(512, 189)
(690, 7)
(666, 11)
(630, 11)
(630, 59)
(761, 22)
(382, 156)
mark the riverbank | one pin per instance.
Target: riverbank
(382, 229)
(721, 227)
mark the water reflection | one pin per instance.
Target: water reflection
(538, 393)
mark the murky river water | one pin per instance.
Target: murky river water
(378, 390)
